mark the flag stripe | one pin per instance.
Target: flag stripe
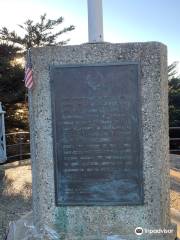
(30, 85)
(28, 74)
(28, 79)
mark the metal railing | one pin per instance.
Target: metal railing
(18, 146)
(174, 133)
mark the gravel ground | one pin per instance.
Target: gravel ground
(175, 189)
(15, 190)
(175, 181)
(15, 193)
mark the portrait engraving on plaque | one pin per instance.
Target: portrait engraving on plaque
(97, 134)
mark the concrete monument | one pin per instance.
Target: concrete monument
(99, 137)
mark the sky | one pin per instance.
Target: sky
(124, 20)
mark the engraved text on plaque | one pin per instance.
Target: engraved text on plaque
(96, 132)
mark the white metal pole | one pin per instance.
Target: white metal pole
(95, 21)
(3, 156)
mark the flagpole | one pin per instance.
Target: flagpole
(95, 21)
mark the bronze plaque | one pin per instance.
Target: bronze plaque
(97, 134)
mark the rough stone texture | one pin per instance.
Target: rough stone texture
(97, 223)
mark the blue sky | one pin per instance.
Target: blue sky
(124, 20)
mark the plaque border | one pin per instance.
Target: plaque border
(55, 144)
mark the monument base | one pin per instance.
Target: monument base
(24, 229)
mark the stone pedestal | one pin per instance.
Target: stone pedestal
(104, 222)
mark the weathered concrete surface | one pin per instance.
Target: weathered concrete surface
(97, 223)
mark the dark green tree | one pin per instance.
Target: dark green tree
(11, 75)
(12, 91)
(38, 34)
(172, 72)
(174, 102)
(174, 95)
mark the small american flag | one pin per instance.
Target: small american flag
(28, 72)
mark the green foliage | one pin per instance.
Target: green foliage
(8, 52)
(11, 75)
(12, 90)
(37, 34)
(174, 102)
(16, 117)
(172, 70)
